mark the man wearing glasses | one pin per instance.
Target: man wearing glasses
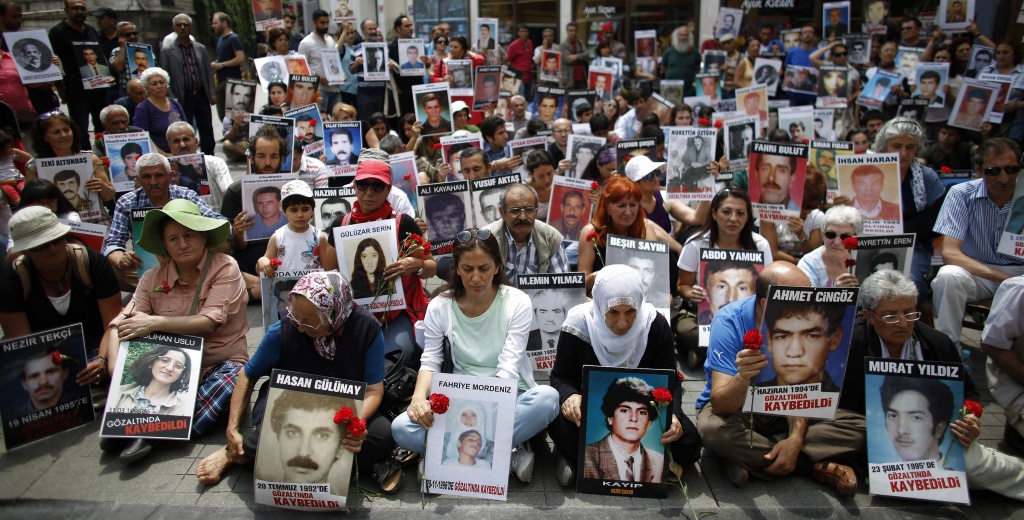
(910, 33)
(971, 221)
(528, 245)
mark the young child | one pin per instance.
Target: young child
(11, 179)
(299, 245)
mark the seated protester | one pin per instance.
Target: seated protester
(373, 187)
(560, 130)
(890, 329)
(626, 126)
(66, 284)
(950, 150)
(158, 110)
(631, 334)
(780, 444)
(801, 234)
(970, 221)
(1003, 343)
(207, 299)
(499, 153)
(324, 335)
(540, 169)
(298, 245)
(156, 191)
(487, 323)
(115, 120)
(532, 129)
(527, 245)
(618, 212)
(460, 118)
(730, 226)
(182, 139)
(136, 95)
(645, 174)
(826, 265)
(601, 168)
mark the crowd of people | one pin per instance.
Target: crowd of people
(479, 323)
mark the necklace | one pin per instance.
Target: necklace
(59, 282)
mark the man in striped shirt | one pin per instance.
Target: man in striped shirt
(971, 221)
(527, 245)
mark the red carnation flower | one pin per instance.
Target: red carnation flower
(807, 141)
(312, 122)
(595, 185)
(105, 161)
(974, 408)
(946, 169)
(718, 124)
(680, 375)
(858, 152)
(275, 263)
(343, 414)
(57, 359)
(850, 262)
(355, 427)
(164, 287)
(592, 237)
(850, 243)
(407, 177)
(703, 122)
(626, 159)
(437, 146)
(752, 340)
(438, 403)
(99, 136)
(662, 396)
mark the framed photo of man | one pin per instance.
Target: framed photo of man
(240, 96)
(271, 69)
(285, 127)
(92, 65)
(569, 209)
(32, 55)
(123, 150)
(726, 276)
(275, 303)
(433, 108)
(375, 61)
(261, 197)
(552, 296)
(835, 20)
(981, 57)
(140, 57)
(729, 22)
(344, 11)
(551, 64)
(650, 260)
(409, 53)
(955, 15)
(776, 179)
(486, 33)
(332, 204)
(445, 206)
(267, 14)
(620, 415)
(974, 104)
(880, 252)
(690, 150)
(189, 171)
(487, 89)
(70, 175)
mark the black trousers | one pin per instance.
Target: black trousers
(197, 112)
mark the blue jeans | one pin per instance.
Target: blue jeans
(535, 409)
(399, 333)
(920, 268)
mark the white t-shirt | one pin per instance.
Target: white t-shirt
(689, 260)
(298, 251)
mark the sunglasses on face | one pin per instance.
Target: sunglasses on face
(838, 54)
(377, 186)
(183, 25)
(831, 235)
(130, 34)
(992, 171)
(468, 234)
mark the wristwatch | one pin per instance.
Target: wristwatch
(420, 272)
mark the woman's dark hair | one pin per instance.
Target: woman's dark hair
(273, 35)
(779, 136)
(41, 191)
(407, 119)
(592, 172)
(711, 226)
(277, 84)
(854, 131)
(142, 368)
(359, 275)
(489, 246)
(705, 112)
(39, 144)
(6, 139)
(377, 118)
(815, 190)
(1018, 55)
(462, 41)
(681, 107)
(651, 119)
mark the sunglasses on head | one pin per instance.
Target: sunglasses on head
(468, 234)
(440, 42)
(50, 114)
(377, 186)
(992, 171)
(831, 235)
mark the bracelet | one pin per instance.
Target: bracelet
(103, 359)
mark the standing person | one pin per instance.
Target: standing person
(82, 103)
(106, 27)
(126, 33)
(370, 98)
(910, 33)
(294, 38)
(547, 43)
(520, 57)
(230, 56)
(487, 323)
(310, 47)
(405, 29)
(39, 97)
(188, 64)
(575, 59)
(681, 60)
(801, 55)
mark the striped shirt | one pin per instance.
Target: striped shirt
(191, 66)
(969, 215)
(121, 223)
(525, 261)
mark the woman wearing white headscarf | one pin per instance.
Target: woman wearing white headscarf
(470, 416)
(615, 329)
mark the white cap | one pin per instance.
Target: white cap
(296, 187)
(458, 106)
(640, 166)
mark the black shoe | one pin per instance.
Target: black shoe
(1013, 439)
(112, 443)
(137, 450)
(389, 476)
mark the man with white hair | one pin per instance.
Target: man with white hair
(115, 120)
(681, 60)
(517, 112)
(188, 63)
(154, 190)
(181, 137)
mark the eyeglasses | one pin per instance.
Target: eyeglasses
(908, 28)
(515, 212)
(129, 35)
(648, 177)
(893, 319)
(440, 42)
(377, 186)
(183, 24)
(992, 171)
(164, 360)
(467, 235)
(299, 325)
(831, 235)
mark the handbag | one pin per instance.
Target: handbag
(399, 383)
(447, 364)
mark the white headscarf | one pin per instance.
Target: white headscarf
(459, 428)
(615, 285)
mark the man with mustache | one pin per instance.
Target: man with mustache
(181, 137)
(69, 182)
(307, 439)
(775, 175)
(549, 313)
(528, 245)
(573, 207)
(44, 382)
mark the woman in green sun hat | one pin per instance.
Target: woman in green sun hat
(204, 296)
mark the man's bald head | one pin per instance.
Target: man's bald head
(780, 273)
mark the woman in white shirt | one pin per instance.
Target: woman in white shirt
(826, 265)
(486, 322)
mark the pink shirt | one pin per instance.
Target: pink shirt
(12, 91)
(222, 299)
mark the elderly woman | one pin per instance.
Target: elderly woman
(325, 334)
(615, 329)
(158, 111)
(486, 322)
(826, 265)
(56, 135)
(55, 284)
(207, 298)
(890, 329)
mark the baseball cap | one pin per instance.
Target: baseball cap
(378, 170)
(640, 166)
(458, 106)
(100, 12)
(296, 187)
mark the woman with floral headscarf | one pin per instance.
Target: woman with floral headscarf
(324, 335)
(615, 329)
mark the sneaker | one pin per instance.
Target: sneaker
(837, 476)
(566, 474)
(522, 463)
(737, 475)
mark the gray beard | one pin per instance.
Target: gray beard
(683, 47)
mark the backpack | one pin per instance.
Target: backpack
(79, 268)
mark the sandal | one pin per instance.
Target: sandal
(404, 457)
(389, 476)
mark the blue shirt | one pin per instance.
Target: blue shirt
(798, 56)
(495, 155)
(727, 329)
(969, 215)
(121, 222)
(226, 47)
(269, 352)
